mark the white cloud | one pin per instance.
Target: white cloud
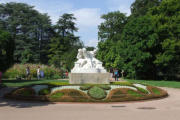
(88, 17)
(121, 5)
(92, 42)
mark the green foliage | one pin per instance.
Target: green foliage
(6, 50)
(117, 94)
(30, 31)
(56, 95)
(45, 91)
(145, 45)
(104, 87)
(109, 33)
(20, 71)
(94, 94)
(134, 93)
(166, 18)
(137, 48)
(142, 90)
(64, 46)
(141, 7)
(97, 93)
(85, 87)
(75, 93)
(156, 91)
(24, 92)
(58, 83)
(122, 83)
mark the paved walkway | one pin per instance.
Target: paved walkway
(162, 109)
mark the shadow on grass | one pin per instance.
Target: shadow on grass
(18, 103)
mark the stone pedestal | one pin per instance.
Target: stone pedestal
(89, 78)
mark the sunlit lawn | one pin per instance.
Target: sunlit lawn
(171, 84)
(18, 83)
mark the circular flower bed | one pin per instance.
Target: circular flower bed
(115, 92)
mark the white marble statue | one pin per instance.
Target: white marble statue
(87, 63)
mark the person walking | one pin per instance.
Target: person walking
(38, 72)
(28, 73)
(42, 73)
(116, 74)
(111, 74)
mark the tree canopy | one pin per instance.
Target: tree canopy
(147, 44)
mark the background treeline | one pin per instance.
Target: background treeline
(146, 44)
(28, 36)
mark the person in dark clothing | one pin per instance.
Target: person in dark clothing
(116, 74)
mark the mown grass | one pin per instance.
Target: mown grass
(170, 84)
(19, 83)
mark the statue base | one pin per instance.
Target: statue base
(89, 78)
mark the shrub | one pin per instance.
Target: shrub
(116, 93)
(97, 93)
(105, 87)
(19, 70)
(56, 95)
(85, 87)
(134, 93)
(44, 91)
(58, 83)
(122, 83)
(71, 95)
(156, 91)
(24, 92)
(142, 90)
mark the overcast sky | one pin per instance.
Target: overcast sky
(87, 12)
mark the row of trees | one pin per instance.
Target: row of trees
(27, 36)
(146, 45)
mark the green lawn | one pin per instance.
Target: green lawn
(19, 83)
(171, 84)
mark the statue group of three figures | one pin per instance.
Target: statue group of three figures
(87, 63)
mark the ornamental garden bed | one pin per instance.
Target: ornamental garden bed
(63, 92)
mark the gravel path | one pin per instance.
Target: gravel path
(162, 109)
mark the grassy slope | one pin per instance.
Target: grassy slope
(171, 84)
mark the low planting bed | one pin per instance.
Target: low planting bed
(61, 92)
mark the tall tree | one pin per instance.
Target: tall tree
(166, 18)
(6, 50)
(138, 47)
(109, 33)
(28, 27)
(141, 7)
(64, 46)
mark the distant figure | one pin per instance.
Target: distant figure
(42, 74)
(38, 72)
(122, 73)
(111, 73)
(0, 77)
(116, 74)
(28, 73)
(67, 74)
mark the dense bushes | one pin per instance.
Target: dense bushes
(25, 92)
(19, 70)
(44, 91)
(97, 93)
